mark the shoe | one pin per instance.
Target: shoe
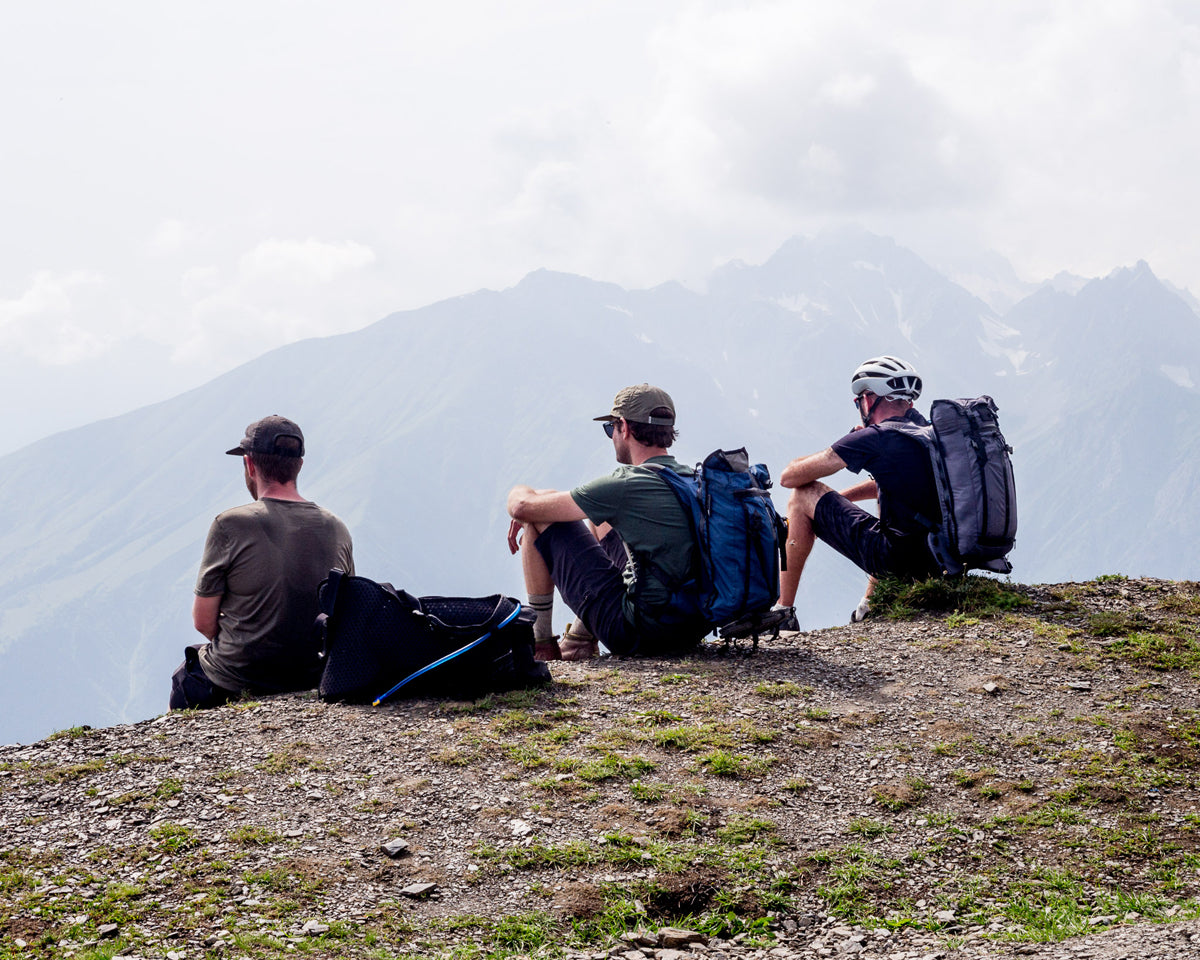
(578, 643)
(788, 621)
(859, 613)
(547, 649)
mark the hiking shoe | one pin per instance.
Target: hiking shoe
(860, 612)
(547, 649)
(578, 643)
(788, 621)
(580, 649)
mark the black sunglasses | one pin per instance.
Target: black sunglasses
(610, 427)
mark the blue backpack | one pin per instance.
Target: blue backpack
(739, 536)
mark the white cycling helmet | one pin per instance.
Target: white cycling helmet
(889, 378)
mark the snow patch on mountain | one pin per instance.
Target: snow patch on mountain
(1178, 376)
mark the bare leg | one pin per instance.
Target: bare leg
(533, 564)
(801, 506)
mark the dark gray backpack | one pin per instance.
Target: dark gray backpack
(975, 488)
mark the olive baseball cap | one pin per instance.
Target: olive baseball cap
(262, 434)
(635, 403)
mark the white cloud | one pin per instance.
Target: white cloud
(45, 324)
(304, 261)
(627, 141)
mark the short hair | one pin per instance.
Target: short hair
(279, 467)
(652, 435)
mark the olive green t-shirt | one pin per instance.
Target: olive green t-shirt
(265, 560)
(651, 523)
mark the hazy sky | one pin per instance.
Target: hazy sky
(184, 187)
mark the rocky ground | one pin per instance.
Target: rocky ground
(1016, 780)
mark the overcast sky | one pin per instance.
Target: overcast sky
(185, 187)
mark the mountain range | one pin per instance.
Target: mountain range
(417, 426)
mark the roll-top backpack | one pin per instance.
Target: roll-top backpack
(972, 468)
(739, 535)
(378, 642)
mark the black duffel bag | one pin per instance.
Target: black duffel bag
(378, 642)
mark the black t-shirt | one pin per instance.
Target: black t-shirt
(902, 471)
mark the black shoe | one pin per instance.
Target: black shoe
(788, 619)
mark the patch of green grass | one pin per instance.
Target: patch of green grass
(722, 763)
(248, 836)
(72, 733)
(526, 932)
(1156, 651)
(779, 690)
(1116, 623)
(647, 792)
(657, 718)
(174, 837)
(168, 788)
(613, 766)
(867, 827)
(742, 829)
(966, 595)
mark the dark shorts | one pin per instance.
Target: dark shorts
(590, 578)
(190, 686)
(859, 536)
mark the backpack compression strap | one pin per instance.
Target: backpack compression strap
(448, 657)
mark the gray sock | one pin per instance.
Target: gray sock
(542, 604)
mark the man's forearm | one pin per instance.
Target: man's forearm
(866, 490)
(805, 470)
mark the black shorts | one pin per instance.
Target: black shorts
(860, 537)
(191, 688)
(590, 576)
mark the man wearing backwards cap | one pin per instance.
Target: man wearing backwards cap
(256, 596)
(614, 571)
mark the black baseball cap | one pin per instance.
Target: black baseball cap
(261, 437)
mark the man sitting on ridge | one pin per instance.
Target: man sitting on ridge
(901, 481)
(614, 572)
(256, 596)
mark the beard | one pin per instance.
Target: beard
(250, 484)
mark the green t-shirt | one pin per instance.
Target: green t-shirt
(651, 523)
(265, 560)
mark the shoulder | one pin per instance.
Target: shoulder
(652, 466)
(243, 513)
(334, 521)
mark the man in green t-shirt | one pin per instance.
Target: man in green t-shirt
(256, 595)
(620, 570)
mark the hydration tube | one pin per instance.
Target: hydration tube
(450, 656)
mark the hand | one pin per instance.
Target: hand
(514, 536)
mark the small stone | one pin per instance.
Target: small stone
(417, 890)
(106, 931)
(314, 928)
(944, 916)
(675, 937)
(520, 828)
(395, 847)
(1080, 685)
(991, 688)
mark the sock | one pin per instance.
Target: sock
(542, 604)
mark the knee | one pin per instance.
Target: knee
(803, 500)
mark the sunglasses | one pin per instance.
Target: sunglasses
(610, 427)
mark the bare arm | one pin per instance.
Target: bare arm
(805, 470)
(205, 613)
(866, 490)
(526, 505)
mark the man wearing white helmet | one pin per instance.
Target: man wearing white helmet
(901, 480)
